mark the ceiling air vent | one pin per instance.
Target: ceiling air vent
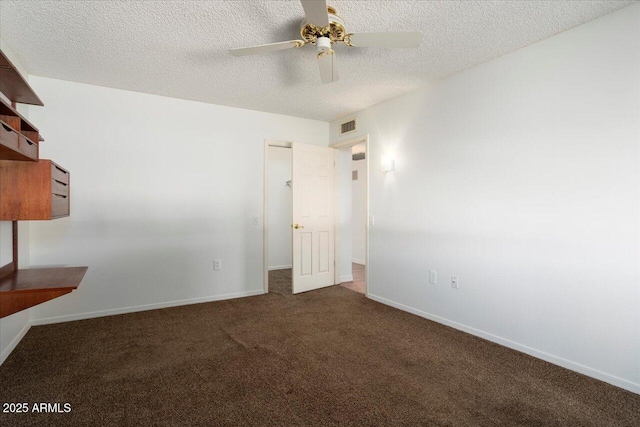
(347, 127)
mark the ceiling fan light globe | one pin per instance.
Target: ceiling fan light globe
(323, 43)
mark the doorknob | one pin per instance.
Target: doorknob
(296, 226)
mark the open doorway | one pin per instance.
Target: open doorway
(358, 218)
(352, 214)
(278, 218)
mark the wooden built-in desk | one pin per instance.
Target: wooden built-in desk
(22, 289)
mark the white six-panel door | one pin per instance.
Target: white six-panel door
(313, 217)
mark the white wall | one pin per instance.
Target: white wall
(159, 188)
(280, 208)
(344, 235)
(359, 212)
(520, 176)
(6, 243)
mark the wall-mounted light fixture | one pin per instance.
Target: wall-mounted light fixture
(387, 163)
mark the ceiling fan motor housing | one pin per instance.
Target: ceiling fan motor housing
(335, 31)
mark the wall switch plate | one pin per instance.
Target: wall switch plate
(433, 277)
(255, 220)
(217, 264)
(454, 282)
(372, 220)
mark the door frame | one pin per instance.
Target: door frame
(265, 206)
(344, 144)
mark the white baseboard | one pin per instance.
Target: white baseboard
(280, 267)
(344, 279)
(573, 366)
(358, 261)
(7, 351)
(134, 309)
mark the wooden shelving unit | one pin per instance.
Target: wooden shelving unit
(30, 189)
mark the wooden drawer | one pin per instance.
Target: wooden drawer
(33, 191)
(59, 188)
(28, 148)
(59, 174)
(8, 136)
(59, 206)
(14, 146)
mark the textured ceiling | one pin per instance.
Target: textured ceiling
(179, 48)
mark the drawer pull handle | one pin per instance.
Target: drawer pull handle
(61, 170)
(29, 142)
(60, 182)
(7, 128)
(58, 195)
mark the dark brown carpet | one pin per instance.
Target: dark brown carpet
(328, 357)
(280, 282)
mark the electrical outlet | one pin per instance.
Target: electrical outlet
(255, 220)
(433, 277)
(217, 264)
(454, 282)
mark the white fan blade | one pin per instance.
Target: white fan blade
(316, 11)
(263, 48)
(328, 69)
(405, 39)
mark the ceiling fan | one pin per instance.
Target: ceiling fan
(323, 28)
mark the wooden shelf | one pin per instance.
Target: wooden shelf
(14, 86)
(8, 110)
(23, 289)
